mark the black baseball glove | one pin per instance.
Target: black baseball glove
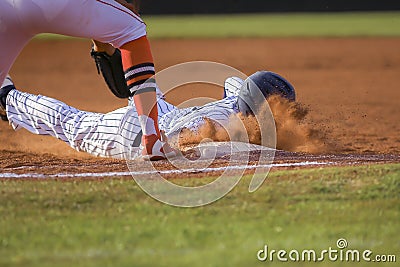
(112, 71)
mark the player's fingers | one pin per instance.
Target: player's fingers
(164, 137)
(103, 47)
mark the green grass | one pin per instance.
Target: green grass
(113, 223)
(273, 25)
(361, 24)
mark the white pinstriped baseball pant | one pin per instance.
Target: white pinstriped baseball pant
(106, 135)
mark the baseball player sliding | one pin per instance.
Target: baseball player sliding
(113, 133)
(120, 49)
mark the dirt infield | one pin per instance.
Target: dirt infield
(33, 166)
(350, 87)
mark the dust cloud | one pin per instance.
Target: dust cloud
(294, 131)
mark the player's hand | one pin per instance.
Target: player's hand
(103, 47)
(164, 137)
(134, 7)
(168, 149)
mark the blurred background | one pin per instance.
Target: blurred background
(162, 7)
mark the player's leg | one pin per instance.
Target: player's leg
(45, 116)
(94, 133)
(13, 37)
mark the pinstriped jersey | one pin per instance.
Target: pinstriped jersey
(192, 118)
(113, 133)
(172, 119)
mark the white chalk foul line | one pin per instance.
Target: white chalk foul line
(180, 171)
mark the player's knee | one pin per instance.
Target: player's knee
(131, 34)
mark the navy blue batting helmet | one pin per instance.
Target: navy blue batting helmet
(261, 85)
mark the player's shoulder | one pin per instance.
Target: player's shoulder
(232, 86)
(233, 82)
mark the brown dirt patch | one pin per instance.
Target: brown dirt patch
(350, 87)
(46, 166)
